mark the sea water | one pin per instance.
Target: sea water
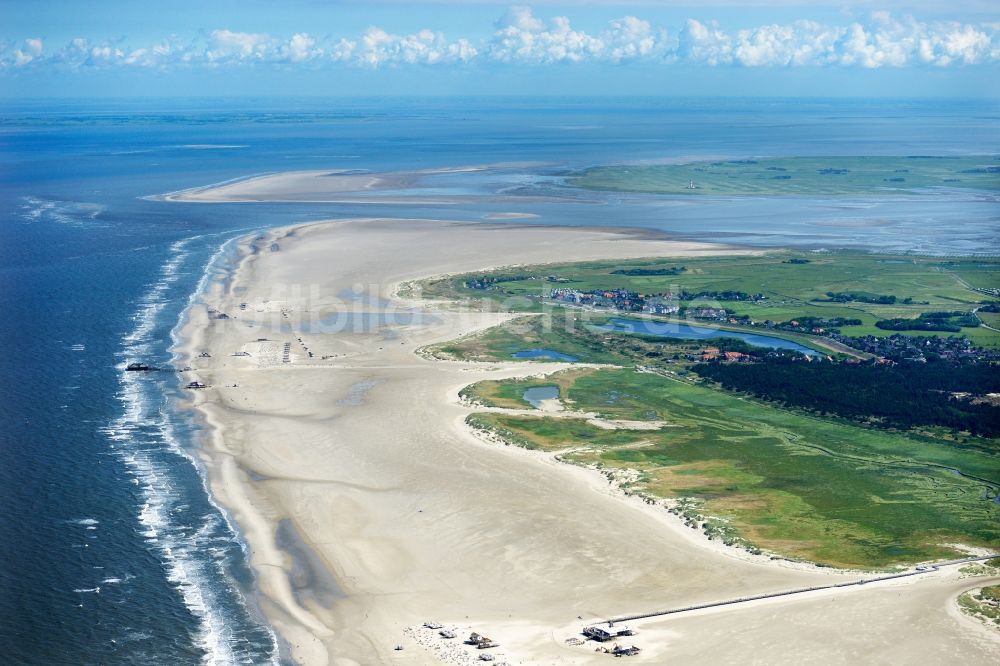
(111, 549)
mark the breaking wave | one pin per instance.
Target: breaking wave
(192, 537)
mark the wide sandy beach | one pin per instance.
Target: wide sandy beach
(369, 508)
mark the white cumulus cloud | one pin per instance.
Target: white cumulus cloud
(376, 48)
(882, 41)
(30, 50)
(229, 46)
(520, 18)
(524, 39)
(801, 43)
(521, 38)
(629, 37)
(300, 48)
(704, 43)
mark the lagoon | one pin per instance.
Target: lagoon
(678, 331)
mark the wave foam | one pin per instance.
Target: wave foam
(69, 213)
(193, 548)
(85, 521)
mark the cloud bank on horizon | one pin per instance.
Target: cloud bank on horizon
(520, 38)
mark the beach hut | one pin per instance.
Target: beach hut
(603, 634)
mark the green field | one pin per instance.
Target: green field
(793, 484)
(792, 290)
(826, 176)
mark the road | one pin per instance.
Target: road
(919, 571)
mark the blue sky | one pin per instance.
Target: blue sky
(441, 47)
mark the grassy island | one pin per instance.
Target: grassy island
(823, 176)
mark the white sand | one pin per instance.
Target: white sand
(287, 186)
(362, 448)
(346, 186)
(318, 186)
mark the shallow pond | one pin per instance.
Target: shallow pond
(537, 394)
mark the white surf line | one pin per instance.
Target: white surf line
(215, 269)
(183, 557)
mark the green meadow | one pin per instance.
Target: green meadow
(792, 290)
(793, 484)
(826, 176)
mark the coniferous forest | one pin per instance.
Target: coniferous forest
(898, 396)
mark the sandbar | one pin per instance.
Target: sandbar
(288, 186)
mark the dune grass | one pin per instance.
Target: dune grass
(983, 604)
(804, 487)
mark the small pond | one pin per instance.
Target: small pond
(535, 395)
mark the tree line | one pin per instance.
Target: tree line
(898, 396)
